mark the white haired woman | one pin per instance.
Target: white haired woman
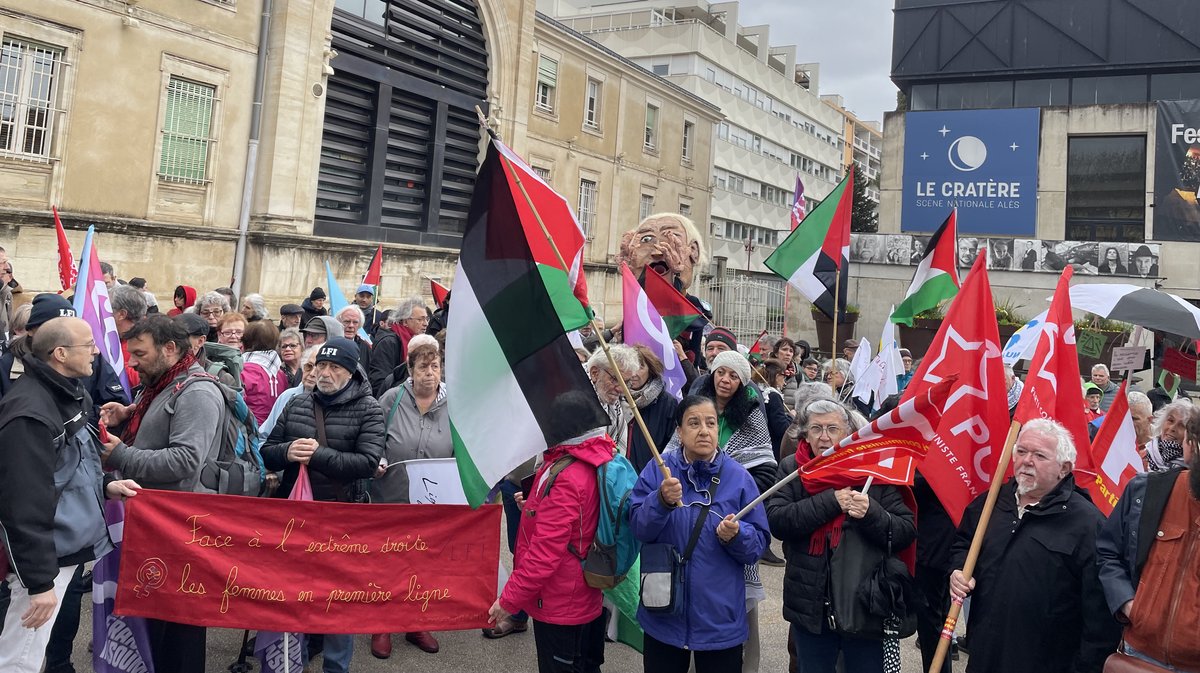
(1165, 451)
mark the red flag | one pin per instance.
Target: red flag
(374, 274)
(68, 273)
(888, 449)
(1115, 454)
(674, 308)
(837, 240)
(439, 292)
(974, 422)
(757, 347)
(1052, 388)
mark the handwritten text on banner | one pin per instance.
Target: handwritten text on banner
(315, 567)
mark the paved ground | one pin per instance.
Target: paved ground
(469, 651)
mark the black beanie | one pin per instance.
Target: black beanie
(317, 293)
(47, 307)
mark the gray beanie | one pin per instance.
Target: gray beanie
(735, 361)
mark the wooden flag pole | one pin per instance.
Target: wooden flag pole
(968, 568)
(837, 291)
(591, 321)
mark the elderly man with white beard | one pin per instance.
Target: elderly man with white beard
(1036, 604)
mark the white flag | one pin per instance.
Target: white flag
(879, 376)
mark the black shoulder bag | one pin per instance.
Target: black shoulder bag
(870, 589)
(662, 566)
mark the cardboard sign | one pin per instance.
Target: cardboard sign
(1089, 344)
(1128, 358)
(308, 567)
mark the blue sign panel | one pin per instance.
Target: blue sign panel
(984, 162)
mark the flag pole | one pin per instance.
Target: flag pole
(662, 466)
(837, 290)
(968, 568)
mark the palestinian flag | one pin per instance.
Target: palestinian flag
(374, 274)
(813, 256)
(674, 308)
(508, 360)
(936, 278)
(439, 292)
(543, 214)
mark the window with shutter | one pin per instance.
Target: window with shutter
(28, 79)
(651, 127)
(547, 83)
(186, 132)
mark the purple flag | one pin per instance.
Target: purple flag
(643, 325)
(268, 649)
(120, 644)
(91, 304)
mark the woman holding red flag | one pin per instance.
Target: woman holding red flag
(810, 526)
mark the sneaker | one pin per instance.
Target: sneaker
(504, 627)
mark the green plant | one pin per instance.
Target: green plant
(1093, 322)
(851, 308)
(936, 313)
(1007, 313)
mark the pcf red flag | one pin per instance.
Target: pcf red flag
(68, 273)
(888, 449)
(1052, 387)
(974, 423)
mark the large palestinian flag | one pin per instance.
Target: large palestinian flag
(817, 251)
(936, 277)
(507, 358)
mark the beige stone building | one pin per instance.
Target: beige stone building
(863, 146)
(622, 141)
(139, 117)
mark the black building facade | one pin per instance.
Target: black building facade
(401, 137)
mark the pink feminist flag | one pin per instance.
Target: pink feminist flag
(643, 325)
(92, 304)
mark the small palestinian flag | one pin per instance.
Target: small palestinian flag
(508, 361)
(439, 292)
(936, 277)
(813, 256)
(374, 274)
(676, 311)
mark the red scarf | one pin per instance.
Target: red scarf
(829, 534)
(405, 335)
(150, 392)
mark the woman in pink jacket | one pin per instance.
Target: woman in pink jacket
(558, 523)
(263, 378)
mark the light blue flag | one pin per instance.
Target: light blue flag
(337, 299)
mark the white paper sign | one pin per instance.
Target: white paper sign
(434, 481)
(1128, 358)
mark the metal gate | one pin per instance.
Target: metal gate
(744, 304)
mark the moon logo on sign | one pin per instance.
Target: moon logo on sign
(967, 153)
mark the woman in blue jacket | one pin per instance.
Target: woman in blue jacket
(710, 619)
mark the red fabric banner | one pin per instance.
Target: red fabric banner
(309, 567)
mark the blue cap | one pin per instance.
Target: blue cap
(365, 288)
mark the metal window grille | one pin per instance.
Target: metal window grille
(587, 206)
(591, 114)
(646, 208)
(543, 173)
(547, 83)
(651, 127)
(28, 79)
(689, 130)
(187, 132)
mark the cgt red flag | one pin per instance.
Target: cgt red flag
(68, 272)
(888, 449)
(1115, 453)
(1052, 387)
(974, 424)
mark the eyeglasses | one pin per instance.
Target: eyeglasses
(425, 319)
(213, 312)
(818, 430)
(89, 345)
(232, 332)
(289, 346)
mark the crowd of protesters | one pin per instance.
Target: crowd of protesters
(1059, 587)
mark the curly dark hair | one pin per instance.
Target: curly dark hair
(738, 409)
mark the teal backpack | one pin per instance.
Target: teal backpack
(614, 548)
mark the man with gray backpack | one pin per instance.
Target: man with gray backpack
(164, 440)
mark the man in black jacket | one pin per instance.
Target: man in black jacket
(337, 430)
(51, 487)
(1037, 603)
